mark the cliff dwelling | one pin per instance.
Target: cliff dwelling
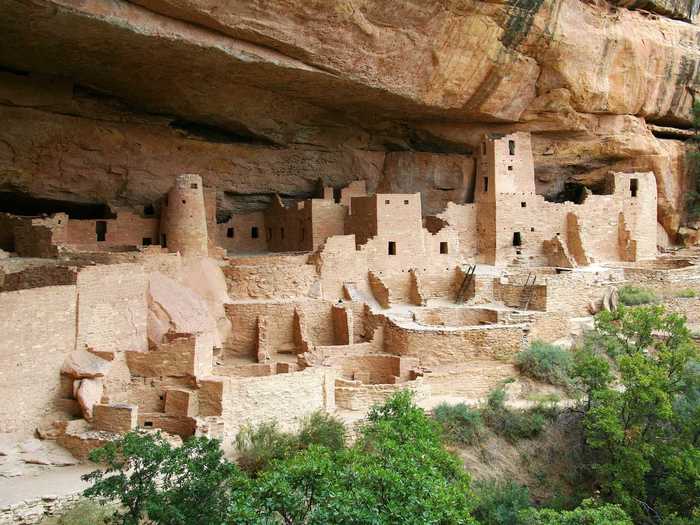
(213, 216)
(163, 318)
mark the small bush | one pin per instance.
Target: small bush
(546, 362)
(258, 446)
(512, 424)
(634, 295)
(322, 429)
(500, 502)
(85, 512)
(460, 424)
(688, 293)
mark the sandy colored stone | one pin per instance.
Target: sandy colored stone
(83, 364)
(89, 393)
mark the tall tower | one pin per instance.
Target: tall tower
(184, 220)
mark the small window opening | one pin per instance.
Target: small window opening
(148, 423)
(392, 248)
(511, 147)
(254, 232)
(634, 187)
(184, 201)
(148, 210)
(146, 241)
(163, 241)
(229, 233)
(517, 240)
(282, 233)
(101, 230)
(405, 202)
(193, 186)
(510, 168)
(486, 184)
(523, 204)
(443, 247)
(532, 229)
(387, 201)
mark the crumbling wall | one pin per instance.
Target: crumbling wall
(434, 346)
(38, 331)
(243, 233)
(112, 308)
(257, 399)
(275, 277)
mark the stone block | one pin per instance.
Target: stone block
(180, 402)
(114, 418)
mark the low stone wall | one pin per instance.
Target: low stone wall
(32, 511)
(455, 316)
(354, 395)
(444, 345)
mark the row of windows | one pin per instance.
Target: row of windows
(231, 233)
(388, 201)
(391, 248)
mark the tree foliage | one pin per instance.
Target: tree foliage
(643, 434)
(397, 471)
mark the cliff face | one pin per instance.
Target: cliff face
(106, 101)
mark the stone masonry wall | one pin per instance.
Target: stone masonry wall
(38, 331)
(112, 308)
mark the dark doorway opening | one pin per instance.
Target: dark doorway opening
(392, 248)
(517, 240)
(101, 230)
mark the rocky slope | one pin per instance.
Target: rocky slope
(105, 101)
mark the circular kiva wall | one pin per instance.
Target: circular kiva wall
(455, 316)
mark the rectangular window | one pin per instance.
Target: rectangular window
(101, 230)
(387, 201)
(254, 232)
(193, 185)
(146, 241)
(405, 202)
(148, 210)
(511, 147)
(282, 233)
(634, 187)
(523, 204)
(443, 247)
(392, 248)
(229, 233)
(510, 168)
(517, 241)
(486, 184)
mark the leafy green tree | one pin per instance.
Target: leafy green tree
(586, 514)
(642, 435)
(131, 469)
(186, 485)
(500, 502)
(396, 472)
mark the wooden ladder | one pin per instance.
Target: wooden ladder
(528, 290)
(468, 277)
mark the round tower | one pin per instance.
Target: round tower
(184, 222)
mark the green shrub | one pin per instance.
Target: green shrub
(460, 424)
(634, 295)
(546, 362)
(322, 429)
(512, 424)
(587, 514)
(500, 502)
(688, 293)
(85, 512)
(257, 446)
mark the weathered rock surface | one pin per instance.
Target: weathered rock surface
(268, 97)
